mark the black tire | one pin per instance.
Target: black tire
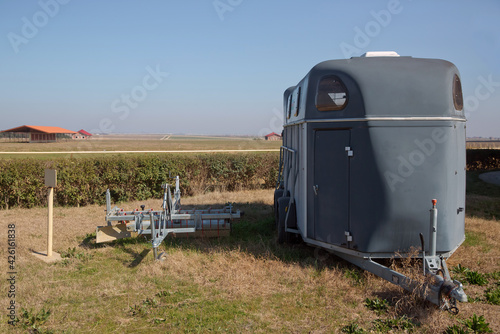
(290, 237)
(292, 217)
(282, 209)
(278, 193)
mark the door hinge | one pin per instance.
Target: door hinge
(350, 152)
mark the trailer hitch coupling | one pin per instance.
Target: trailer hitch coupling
(448, 291)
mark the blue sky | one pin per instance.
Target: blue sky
(220, 66)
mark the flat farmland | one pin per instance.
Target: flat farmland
(483, 144)
(113, 143)
(244, 283)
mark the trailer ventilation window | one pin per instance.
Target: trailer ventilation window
(332, 94)
(458, 99)
(294, 102)
(297, 104)
(289, 106)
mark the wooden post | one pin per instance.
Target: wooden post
(51, 182)
(50, 221)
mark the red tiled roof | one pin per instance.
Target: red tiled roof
(83, 132)
(272, 134)
(43, 129)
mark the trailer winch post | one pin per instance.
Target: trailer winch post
(177, 193)
(108, 204)
(433, 229)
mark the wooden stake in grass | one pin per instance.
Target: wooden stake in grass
(51, 182)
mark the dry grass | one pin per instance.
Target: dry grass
(481, 251)
(144, 143)
(484, 144)
(244, 283)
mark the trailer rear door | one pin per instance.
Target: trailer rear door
(331, 186)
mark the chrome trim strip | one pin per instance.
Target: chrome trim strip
(377, 119)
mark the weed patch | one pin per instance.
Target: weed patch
(352, 328)
(476, 278)
(398, 323)
(493, 296)
(456, 329)
(32, 321)
(378, 305)
(477, 324)
(355, 275)
(74, 253)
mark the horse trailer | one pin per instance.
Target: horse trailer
(369, 144)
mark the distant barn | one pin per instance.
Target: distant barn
(82, 134)
(37, 134)
(272, 136)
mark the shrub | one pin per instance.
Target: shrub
(483, 159)
(84, 181)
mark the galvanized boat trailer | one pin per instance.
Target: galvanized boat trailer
(171, 219)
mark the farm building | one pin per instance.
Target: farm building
(82, 134)
(273, 136)
(37, 134)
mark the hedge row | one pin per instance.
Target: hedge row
(483, 159)
(84, 181)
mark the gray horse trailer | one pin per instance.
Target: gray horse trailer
(369, 144)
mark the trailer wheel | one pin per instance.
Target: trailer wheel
(278, 193)
(282, 209)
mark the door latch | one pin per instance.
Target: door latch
(315, 188)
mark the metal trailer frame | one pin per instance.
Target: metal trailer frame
(436, 284)
(170, 220)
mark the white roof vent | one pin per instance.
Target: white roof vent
(380, 54)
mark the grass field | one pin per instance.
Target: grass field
(144, 143)
(483, 144)
(245, 283)
(147, 142)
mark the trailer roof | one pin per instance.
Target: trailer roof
(381, 86)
